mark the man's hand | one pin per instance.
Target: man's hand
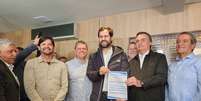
(36, 40)
(120, 100)
(103, 70)
(132, 81)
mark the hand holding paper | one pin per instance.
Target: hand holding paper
(117, 88)
(103, 70)
(132, 81)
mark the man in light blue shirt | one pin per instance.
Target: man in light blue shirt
(184, 75)
(80, 86)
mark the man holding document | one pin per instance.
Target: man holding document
(148, 72)
(116, 85)
(107, 69)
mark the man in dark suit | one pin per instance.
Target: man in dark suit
(20, 62)
(148, 72)
(9, 84)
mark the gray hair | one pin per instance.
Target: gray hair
(5, 42)
(193, 38)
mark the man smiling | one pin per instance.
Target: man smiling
(184, 75)
(45, 77)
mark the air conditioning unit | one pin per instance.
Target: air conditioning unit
(57, 31)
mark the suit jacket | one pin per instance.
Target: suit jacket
(154, 76)
(117, 62)
(9, 88)
(19, 68)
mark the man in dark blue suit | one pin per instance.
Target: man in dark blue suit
(20, 62)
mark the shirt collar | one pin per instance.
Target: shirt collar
(52, 61)
(146, 53)
(110, 50)
(79, 61)
(10, 66)
(190, 56)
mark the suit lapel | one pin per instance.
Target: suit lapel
(147, 60)
(138, 64)
(9, 72)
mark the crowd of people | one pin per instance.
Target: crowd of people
(85, 77)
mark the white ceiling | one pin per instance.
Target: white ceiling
(16, 14)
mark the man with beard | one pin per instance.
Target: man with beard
(107, 58)
(45, 77)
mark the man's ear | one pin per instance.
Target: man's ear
(193, 46)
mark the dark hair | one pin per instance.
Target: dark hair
(20, 48)
(132, 39)
(140, 33)
(193, 38)
(132, 43)
(82, 42)
(38, 53)
(62, 57)
(42, 39)
(106, 28)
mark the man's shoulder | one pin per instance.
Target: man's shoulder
(59, 63)
(1, 62)
(93, 54)
(118, 49)
(197, 59)
(71, 61)
(2, 65)
(33, 59)
(157, 54)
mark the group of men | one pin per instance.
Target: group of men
(45, 78)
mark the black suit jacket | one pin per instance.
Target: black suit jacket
(9, 89)
(19, 68)
(154, 76)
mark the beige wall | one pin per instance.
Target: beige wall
(125, 25)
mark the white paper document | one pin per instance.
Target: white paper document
(117, 88)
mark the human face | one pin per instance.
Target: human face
(104, 39)
(17, 51)
(81, 51)
(47, 48)
(132, 50)
(143, 43)
(184, 45)
(8, 53)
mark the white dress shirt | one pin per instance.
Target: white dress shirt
(10, 67)
(142, 56)
(106, 56)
